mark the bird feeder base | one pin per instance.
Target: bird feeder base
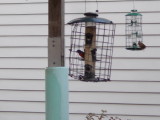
(132, 48)
(83, 78)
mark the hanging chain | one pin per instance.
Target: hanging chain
(97, 9)
(133, 4)
(85, 6)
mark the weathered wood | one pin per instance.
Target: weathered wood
(56, 32)
(55, 22)
(54, 52)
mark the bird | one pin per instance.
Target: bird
(93, 52)
(81, 53)
(134, 45)
(133, 22)
(141, 45)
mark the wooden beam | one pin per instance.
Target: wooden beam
(56, 33)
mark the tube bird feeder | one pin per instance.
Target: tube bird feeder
(134, 34)
(91, 48)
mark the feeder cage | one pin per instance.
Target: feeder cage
(91, 48)
(134, 36)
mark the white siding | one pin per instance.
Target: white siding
(133, 92)
(23, 59)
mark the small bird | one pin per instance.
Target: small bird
(93, 52)
(134, 45)
(133, 22)
(141, 45)
(81, 53)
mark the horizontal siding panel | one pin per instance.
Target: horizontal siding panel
(116, 64)
(121, 74)
(23, 8)
(23, 62)
(120, 29)
(114, 98)
(34, 96)
(74, 1)
(136, 87)
(136, 64)
(21, 116)
(23, 52)
(112, 6)
(141, 75)
(23, 41)
(113, 86)
(24, 30)
(151, 40)
(124, 117)
(77, 1)
(147, 29)
(23, 19)
(42, 30)
(117, 17)
(122, 52)
(115, 109)
(77, 107)
(22, 106)
(148, 52)
(22, 73)
(22, 85)
(21, 1)
(133, 64)
(120, 40)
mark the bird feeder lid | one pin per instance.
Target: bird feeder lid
(134, 13)
(90, 17)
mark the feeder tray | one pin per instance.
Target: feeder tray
(91, 48)
(132, 48)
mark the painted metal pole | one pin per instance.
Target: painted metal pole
(56, 93)
(56, 73)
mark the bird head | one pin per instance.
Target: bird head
(134, 43)
(139, 42)
(78, 51)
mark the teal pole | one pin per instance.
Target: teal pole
(57, 93)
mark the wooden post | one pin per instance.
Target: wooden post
(56, 74)
(56, 33)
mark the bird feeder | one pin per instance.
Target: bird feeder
(134, 35)
(91, 48)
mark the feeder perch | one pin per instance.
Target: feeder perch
(91, 48)
(134, 35)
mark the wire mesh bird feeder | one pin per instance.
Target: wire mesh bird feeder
(134, 35)
(91, 48)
